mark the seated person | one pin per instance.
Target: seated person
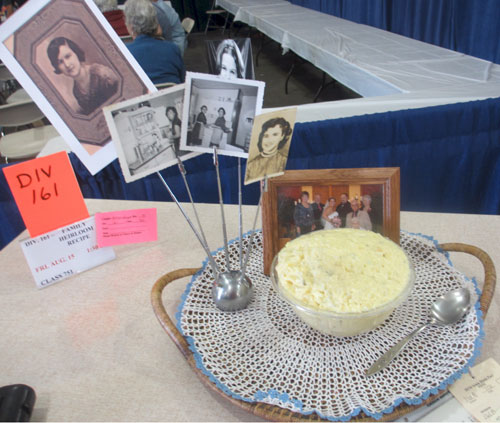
(358, 219)
(170, 24)
(160, 59)
(114, 16)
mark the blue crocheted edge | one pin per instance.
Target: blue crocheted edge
(189, 339)
(284, 397)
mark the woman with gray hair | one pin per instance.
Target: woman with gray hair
(160, 59)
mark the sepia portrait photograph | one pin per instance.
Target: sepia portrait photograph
(220, 114)
(72, 63)
(230, 58)
(302, 201)
(146, 131)
(270, 144)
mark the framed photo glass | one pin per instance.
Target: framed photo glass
(71, 62)
(301, 201)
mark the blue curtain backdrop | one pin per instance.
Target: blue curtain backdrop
(470, 27)
(449, 158)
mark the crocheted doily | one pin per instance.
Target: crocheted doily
(266, 353)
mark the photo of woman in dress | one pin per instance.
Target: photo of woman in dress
(174, 131)
(93, 84)
(199, 126)
(330, 217)
(272, 153)
(220, 125)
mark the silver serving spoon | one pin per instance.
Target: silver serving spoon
(446, 310)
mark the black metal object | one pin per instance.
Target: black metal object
(16, 403)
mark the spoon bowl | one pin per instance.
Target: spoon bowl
(232, 290)
(451, 307)
(445, 310)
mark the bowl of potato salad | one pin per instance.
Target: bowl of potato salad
(343, 282)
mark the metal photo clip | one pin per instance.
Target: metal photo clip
(232, 290)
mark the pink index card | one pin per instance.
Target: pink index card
(126, 227)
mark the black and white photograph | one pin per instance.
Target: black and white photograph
(146, 132)
(230, 58)
(220, 113)
(72, 63)
(270, 144)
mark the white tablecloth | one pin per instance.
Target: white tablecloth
(368, 60)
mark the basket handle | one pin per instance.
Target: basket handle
(161, 313)
(489, 271)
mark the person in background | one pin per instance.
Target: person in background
(304, 216)
(343, 208)
(113, 15)
(160, 59)
(373, 212)
(170, 24)
(229, 60)
(318, 211)
(8, 7)
(358, 219)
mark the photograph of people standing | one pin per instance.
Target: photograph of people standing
(318, 207)
(304, 215)
(344, 208)
(358, 219)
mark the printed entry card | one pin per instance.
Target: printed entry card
(65, 252)
(46, 192)
(479, 390)
(126, 227)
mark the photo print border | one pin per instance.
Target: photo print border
(144, 135)
(388, 177)
(24, 48)
(240, 99)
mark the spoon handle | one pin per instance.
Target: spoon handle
(387, 357)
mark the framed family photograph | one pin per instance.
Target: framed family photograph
(146, 131)
(220, 113)
(71, 62)
(301, 201)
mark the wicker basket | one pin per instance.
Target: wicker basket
(275, 413)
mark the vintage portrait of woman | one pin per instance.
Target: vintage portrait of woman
(229, 61)
(93, 84)
(271, 153)
(230, 58)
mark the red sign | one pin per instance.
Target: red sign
(46, 192)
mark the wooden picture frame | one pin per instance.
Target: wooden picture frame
(383, 182)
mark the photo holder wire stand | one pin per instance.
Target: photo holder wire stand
(232, 289)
